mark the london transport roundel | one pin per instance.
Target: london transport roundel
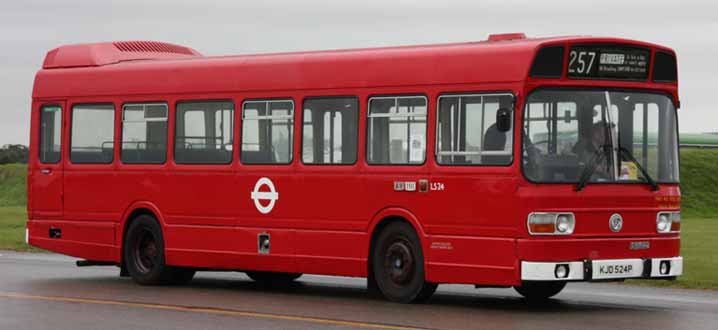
(264, 200)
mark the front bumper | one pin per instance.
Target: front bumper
(598, 270)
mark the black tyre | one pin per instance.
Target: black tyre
(144, 253)
(536, 291)
(273, 277)
(398, 265)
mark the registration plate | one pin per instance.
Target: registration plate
(627, 268)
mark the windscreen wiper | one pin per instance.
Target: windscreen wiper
(591, 166)
(649, 179)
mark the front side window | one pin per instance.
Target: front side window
(50, 134)
(330, 130)
(267, 132)
(572, 136)
(468, 132)
(93, 134)
(144, 133)
(204, 132)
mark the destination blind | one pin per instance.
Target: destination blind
(608, 62)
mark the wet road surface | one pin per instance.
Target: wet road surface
(45, 291)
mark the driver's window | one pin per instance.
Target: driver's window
(468, 133)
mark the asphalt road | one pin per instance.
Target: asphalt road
(44, 291)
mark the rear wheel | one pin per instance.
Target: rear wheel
(144, 255)
(398, 265)
(273, 277)
(539, 290)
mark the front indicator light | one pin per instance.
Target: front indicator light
(543, 228)
(676, 222)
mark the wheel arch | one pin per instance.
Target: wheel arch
(133, 211)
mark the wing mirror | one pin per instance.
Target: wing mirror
(503, 120)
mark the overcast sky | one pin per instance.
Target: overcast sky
(29, 28)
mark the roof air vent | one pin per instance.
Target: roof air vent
(151, 47)
(507, 36)
(104, 53)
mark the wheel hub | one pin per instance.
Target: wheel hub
(399, 262)
(146, 252)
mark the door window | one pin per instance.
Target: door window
(50, 134)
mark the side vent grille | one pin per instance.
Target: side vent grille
(151, 47)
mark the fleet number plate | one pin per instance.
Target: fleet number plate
(607, 269)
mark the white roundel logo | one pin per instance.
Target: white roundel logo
(615, 222)
(259, 196)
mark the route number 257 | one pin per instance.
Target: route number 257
(581, 62)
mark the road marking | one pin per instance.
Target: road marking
(206, 310)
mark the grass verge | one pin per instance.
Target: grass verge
(12, 229)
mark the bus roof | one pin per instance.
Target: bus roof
(126, 68)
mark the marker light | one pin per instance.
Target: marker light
(551, 223)
(668, 222)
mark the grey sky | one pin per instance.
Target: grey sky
(29, 28)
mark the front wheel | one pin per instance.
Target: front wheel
(398, 265)
(539, 290)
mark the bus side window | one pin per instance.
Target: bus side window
(467, 132)
(50, 134)
(204, 132)
(397, 130)
(144, 133)
(267, 132)
(93, 134)
(329, 130)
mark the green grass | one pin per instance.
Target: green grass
(699, 183)
(12, 228)
(691, 138)
(13, 182)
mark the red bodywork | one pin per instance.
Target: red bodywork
(473, 232)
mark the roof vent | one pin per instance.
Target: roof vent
(507, 36)
(151, 47)
(104, 53)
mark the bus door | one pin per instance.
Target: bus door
(47, 173)
(474, 156)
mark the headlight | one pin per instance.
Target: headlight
(563, 223)
(668, 222)
(551, 223)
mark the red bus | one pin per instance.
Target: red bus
(510, 162)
